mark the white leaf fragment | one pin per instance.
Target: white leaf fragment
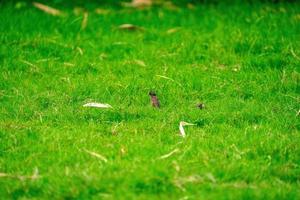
(181, 129)
(97, 105)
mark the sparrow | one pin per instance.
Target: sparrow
(154, 99)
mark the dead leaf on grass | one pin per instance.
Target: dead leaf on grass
(191, 6)
(140, 63)
(97, 105)
(211, 177)
(169, 5)
(47, 9)
(138, 3)
(221, 66)
(130, 27)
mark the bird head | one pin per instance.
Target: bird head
(152, 93)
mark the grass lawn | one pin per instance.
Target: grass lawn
(241, 60)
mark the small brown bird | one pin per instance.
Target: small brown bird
(154, 99)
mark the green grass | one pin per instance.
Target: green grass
(242, 61)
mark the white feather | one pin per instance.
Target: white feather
(97, 105)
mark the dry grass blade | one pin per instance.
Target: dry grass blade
(33, 66)
(96, 155)
(80, 51)
(173, 30)
(170, 79)
(294, 54)
(34, 176)
(84, 20)
(48, 9)
(169, 154)
(78, 11)
(47, 59)
(69, 64)
(180, 182)
(28, 63)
